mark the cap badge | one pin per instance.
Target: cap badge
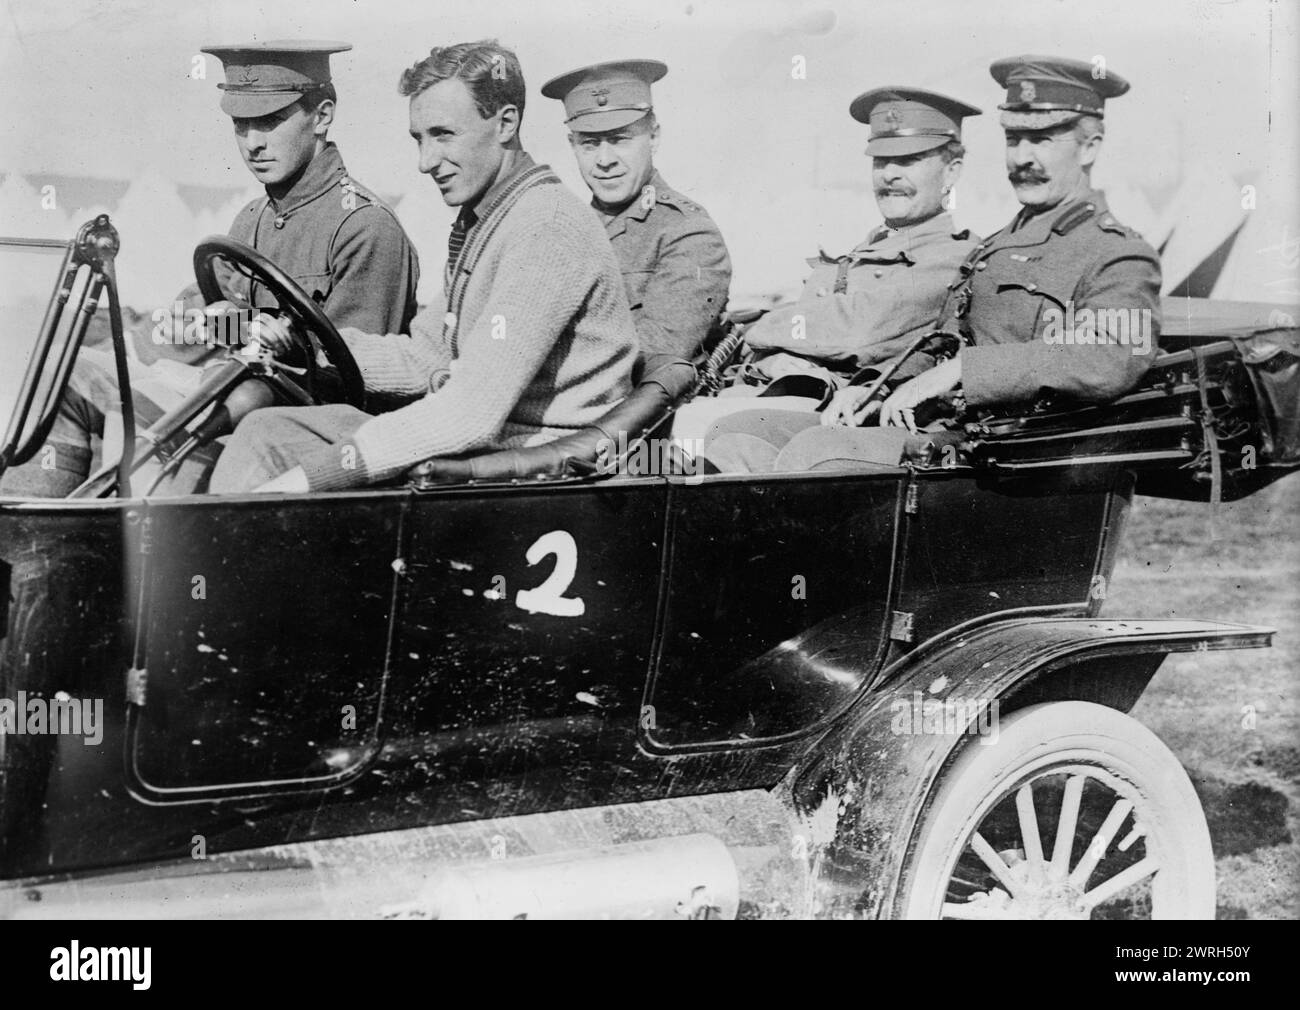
(246, 76)
(601, 95)
(892, 119)
(1027, 91)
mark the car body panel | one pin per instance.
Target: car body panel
(389, 874)
(380, 659)
(264, 637)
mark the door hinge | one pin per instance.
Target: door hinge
(913, 497)
(137, 680)
(901, 629)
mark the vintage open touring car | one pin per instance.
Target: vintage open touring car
(541, 684)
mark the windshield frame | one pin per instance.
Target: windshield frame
(12, 450)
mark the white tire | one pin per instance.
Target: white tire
(991, 845)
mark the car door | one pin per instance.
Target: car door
(261, 637)
(776, 604)
(527, 629)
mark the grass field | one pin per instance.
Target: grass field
(1233, 718)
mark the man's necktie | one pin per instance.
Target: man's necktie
(465, 220)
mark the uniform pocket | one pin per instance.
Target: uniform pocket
(1030, 302)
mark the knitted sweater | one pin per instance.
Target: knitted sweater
(544, 345)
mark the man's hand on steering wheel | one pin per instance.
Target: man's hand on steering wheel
(293, 302)
(274, 333)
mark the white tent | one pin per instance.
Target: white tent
(158, 234)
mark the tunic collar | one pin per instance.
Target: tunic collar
(897, 243)
(940, 224)
(638, 208)
(1026, 229)
(321, 174)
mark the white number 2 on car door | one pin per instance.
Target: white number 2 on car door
(549, 598)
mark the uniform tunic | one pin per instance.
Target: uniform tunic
(1026, 278)
(863, 308)
(336, 239)
(855, 311)
(676, 271)
(1005, 299)
(341, 244)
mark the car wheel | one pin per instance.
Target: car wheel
(1073, 811)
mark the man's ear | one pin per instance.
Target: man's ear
(324, 118)
(654, 139)
(951, 173)
(508, 123)
(1089, 149)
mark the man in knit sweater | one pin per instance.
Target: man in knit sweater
(532, 338)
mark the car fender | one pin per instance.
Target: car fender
(862, 790)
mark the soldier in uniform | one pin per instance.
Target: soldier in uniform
(338, 241)
(335, 238)
(675, 265)
(1062, 302)
(859, 310)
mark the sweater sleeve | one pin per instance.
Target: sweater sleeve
(541, 279)
(398, 363)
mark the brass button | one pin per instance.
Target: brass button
(982, 265)
(822, 292)
(880, 273)
(279, 222)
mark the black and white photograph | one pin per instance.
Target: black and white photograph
(681, 459)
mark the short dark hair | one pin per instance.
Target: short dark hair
(1087, 126)
(490, 71)
(952, 151)
(310, 100)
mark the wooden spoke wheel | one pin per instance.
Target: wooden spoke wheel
(1073, 811)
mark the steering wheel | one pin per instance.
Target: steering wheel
(293, 301)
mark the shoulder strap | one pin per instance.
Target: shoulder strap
(365, 199)
(956, 305)
(1073, 218)
(842, 275)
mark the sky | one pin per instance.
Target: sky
(109, 91)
